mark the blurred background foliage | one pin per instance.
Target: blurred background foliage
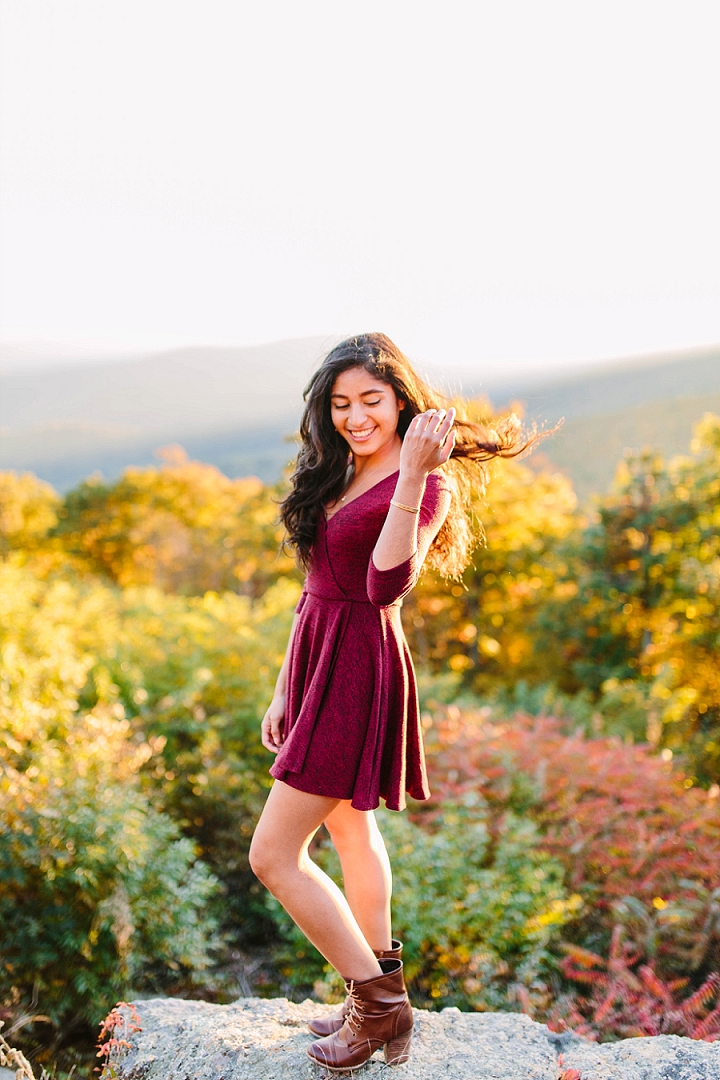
(571, 700)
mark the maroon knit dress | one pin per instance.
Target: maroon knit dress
(352, 725)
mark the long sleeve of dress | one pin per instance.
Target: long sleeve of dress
(387, 587)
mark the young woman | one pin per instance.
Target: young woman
(381, 485)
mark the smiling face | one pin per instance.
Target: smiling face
(365, 410)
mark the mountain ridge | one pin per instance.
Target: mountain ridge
(238, 409)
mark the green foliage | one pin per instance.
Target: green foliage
(97, 889)
(97, 892)
(124, 717)
(189, 679)
(477, 902)
(638, 616)
(197, 674)
(620, 613)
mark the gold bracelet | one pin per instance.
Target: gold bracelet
(410, 509)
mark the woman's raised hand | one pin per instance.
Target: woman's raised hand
(272, 724)
(428, 441)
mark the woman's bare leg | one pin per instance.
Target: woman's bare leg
(366, 870)
(279, 857)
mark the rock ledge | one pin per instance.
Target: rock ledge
(259, 1039)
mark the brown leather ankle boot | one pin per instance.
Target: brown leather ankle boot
(326, 1025)
(378, 1015)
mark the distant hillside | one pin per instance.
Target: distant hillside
(232, 407)
(238, 409)
(625, 405)
(588, 450)
(617, 385)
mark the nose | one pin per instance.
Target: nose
(358, 415)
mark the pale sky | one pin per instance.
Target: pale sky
(515, 183)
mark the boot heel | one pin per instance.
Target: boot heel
(397, 1051)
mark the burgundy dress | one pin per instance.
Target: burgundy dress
(352, 725)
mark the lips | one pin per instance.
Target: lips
(361, 436)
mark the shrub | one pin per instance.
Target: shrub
(620, 609)
(187, 677)
(533, 836)
(196, 674)
(97, 889)
(483, 628)
(638, 608)
(622, 821)
(627, 998)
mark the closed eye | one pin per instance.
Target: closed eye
(340, 407)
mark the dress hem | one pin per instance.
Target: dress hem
(398, 808)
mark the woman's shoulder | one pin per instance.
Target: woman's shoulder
(439, 476)
(438, 482)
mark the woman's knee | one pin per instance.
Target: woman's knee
(263, 860)
(287, 824)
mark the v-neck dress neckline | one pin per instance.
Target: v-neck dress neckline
(357, 497)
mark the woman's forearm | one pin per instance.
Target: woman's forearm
(281, 681)
(398, 539)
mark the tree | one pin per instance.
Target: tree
(183, 526)
(28, 510)
(637, 612)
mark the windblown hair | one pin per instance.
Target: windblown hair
(321, 471)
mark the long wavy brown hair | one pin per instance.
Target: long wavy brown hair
(321, 470)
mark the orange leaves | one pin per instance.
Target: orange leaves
(582, 957)
(184, 527)
(641, 829)
(625, 1003)
(114, 1032)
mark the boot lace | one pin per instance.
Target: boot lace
(355, 1011)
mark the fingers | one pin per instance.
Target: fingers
(271, 733)
(448, 446)
(276, 732)
(267, 742)
(435, 421)
(446, 424)
(432, 438)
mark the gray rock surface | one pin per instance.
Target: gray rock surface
(257, 1039)
(664, 1057)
